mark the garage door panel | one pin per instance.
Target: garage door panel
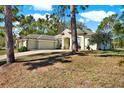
(46, 44)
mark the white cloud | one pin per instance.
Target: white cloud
(81, 20)
(44, 7)
(16, 23)
(87, 20)
(122, 10)
(37, 16)
(96, 15)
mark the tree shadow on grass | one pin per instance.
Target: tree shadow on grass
(82, 54)
(37, 63)
(41, 62)
(2, 63)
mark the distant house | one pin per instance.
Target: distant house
(106, 46)
(60, 41)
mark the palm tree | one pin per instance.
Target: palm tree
(73, 29)
(8, 34)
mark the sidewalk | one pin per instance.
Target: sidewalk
(3, 57)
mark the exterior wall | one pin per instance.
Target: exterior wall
(93, 47)
(20, 44)
(64, 40)
(25, 43)
(81, 42)
(83, 47)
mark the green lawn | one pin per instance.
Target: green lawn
(63, 70)
(3, 51)
(112, 52)
(119, 53)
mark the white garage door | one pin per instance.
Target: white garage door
(32, 44)
(46, 44)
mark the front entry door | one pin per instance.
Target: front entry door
(66, 43)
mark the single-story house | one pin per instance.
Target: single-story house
(60, 41)
(106, 46)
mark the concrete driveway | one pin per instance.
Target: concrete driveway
(21, 54)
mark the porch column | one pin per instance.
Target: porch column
(70, 43)
(27, 43)
(82, 43)
(62, 47)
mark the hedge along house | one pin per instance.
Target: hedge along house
(60, 41)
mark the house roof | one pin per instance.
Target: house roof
(46, 37)
(37, 36)
(86, 31)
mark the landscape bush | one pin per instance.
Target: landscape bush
(22, 49)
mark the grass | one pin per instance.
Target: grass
(63, 70)
(121, 62)
(112, 52)
(119, 53)
(2, 62)
(3, 51)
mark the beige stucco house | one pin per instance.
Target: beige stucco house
(60, 41)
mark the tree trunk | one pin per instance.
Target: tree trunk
(9, 36)
(73, 29)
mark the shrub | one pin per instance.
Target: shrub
(22, 49)
(121, 62)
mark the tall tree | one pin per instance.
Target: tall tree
(73, 11)
(106, 27)
(118, 32)
(48, 26)
(8, 35)
(15, 10)
(73, 29)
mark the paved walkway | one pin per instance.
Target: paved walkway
(3, 57)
